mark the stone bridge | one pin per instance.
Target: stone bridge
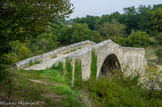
(109, 56)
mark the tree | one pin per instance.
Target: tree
(24, 52)
(21, 18)
(138, 39)
(144, 22)
(130, 18)
(103, 19)
(156, 19)
(76, 33)
(112, 29)
(89, 20)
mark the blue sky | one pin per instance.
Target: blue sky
(101, 7)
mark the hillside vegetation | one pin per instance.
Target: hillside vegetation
(49, 88)
(29, 28)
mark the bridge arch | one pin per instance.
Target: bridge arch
(110, 63)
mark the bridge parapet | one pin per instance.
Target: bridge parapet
(52, 54)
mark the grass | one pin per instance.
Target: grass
(47, 88)
(151, 57)
(150, 52)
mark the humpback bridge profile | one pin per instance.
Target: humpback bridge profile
(109, 56)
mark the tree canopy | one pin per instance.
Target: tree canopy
(21, 18)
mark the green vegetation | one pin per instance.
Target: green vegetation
(137, 27)
(29, 28)
(47, 88)
(94, 65)
(50, 88)
(59, 67)
(116, 90)
(69, 69)
(28, 18)
(78, 72)
(139, 39)
(158, 53)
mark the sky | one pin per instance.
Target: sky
(101, 7)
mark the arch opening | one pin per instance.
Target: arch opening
(110, 64)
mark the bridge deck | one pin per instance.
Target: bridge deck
(49, 63)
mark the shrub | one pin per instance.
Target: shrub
(158, 53)
(121, 41)
(159, 38)
(24, 52)
(117, 90)
(9, 58)
(139, 39)
(4, 73)
(63, 89)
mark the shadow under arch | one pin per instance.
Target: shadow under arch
(110, 64)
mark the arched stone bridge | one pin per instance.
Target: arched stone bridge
(109, 56)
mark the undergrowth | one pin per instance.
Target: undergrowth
(47, 87)
(120, 91)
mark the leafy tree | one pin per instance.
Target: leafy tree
(156, 22)
(103, 19)
(9, 58)
(58, 30)
(112, 29)
(159, 38)
(89, 20)
(77, 33)
(107, 18)
(144, 22)
(114, 15)
(139, 39)
(121, 41)
(24, 52)
(157, 6)
(21, 18)
(130, 18)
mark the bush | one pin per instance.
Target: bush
(158, 53)
(139, 39)
(117, 90)
(4, 73)
(9, 58)
(159, 38)
(121, 41)
(24, 52)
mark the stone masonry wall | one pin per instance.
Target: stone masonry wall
(127, 56)
(52, 54)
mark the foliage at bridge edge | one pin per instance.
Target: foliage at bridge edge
(93, 64)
